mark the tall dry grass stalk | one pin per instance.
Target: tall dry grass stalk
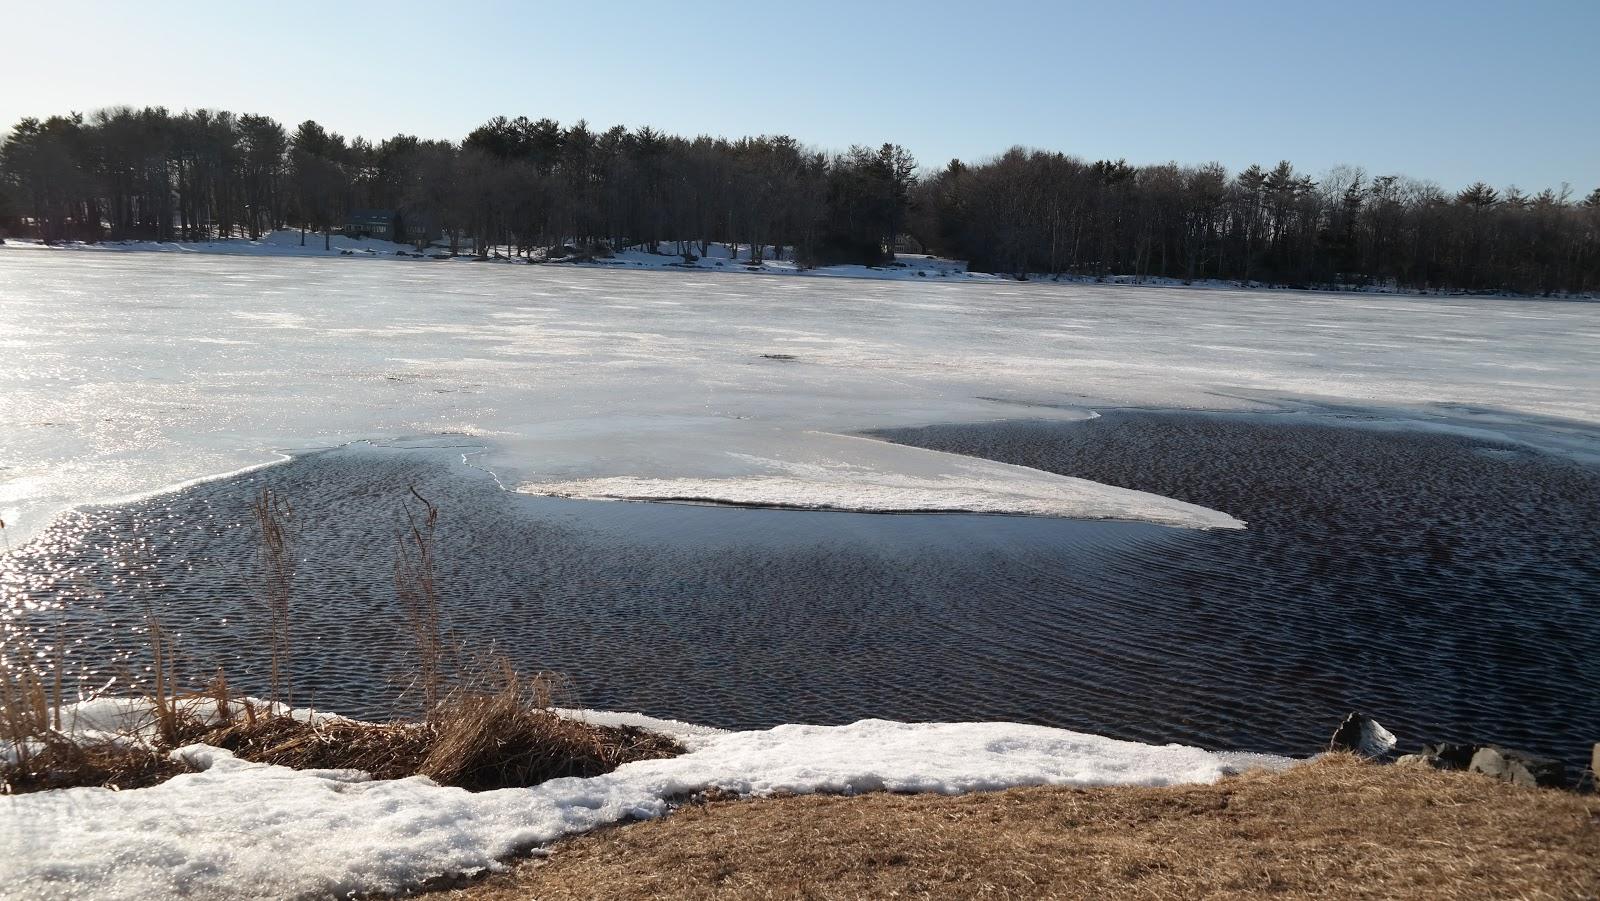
(42, 752)
(273, 513)
(419, 597)
(30, 708)
(163, 694)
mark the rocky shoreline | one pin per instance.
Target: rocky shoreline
(1361, 734)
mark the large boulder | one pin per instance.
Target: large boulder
(1361, 734)
(1450, 755)
(1445, 755)
(1518, 768)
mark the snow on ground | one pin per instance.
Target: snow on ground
(243, 830)
(719, 257)
(691, 735)
(133, 721)
(127, 373)
(281, 243)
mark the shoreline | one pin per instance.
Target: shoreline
(1333, 827)
(335, 831)
(907, 267)
(861, 809)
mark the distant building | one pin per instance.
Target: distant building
(400, 226)
(370, 224)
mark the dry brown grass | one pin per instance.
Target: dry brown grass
(479, 744)
(509, 736)
(37, 754)
(44, 756)
(273, 514)
(1337, 828)
(479, 740)
(70, 765)
(419, 596)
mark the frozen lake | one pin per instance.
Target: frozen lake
(128, 373)
(1447, 575)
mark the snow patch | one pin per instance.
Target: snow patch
(243, 830)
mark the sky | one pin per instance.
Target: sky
(1507, 92)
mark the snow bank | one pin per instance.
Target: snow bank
(242, 830)
(134, 718)
(131, 721)
(281, 243)
(719, 258)
(288, 243)
(690, 735)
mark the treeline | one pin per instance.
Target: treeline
(516, 185)
(1047, 212)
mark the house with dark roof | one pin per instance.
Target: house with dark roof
(370, 224)
(405, 226)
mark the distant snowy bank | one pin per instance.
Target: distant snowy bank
(244, 830)
(718, 257)
(288, 243)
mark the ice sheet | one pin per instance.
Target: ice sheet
(817, 470)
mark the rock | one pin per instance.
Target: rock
(1421, 761)
(1451, 755)
(1594, 759)
(1518, 768)
(1362, 735)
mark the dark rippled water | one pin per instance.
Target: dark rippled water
(1446, 586)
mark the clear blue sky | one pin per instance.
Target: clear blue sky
(1451, 90)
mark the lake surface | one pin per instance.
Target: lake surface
(1449, 586)
(127, 373)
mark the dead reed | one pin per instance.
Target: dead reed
(477, 741)
(506, 733)
(30, 719)
(273, 514)
(39, 752)
(418, 594)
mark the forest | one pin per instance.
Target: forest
(521, 186)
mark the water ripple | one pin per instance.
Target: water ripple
(1446, 586)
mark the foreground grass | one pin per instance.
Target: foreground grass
(477, 740)
(1337, 828)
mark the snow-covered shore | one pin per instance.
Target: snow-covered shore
(722, 258)
(719, 257)
(241, 830)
